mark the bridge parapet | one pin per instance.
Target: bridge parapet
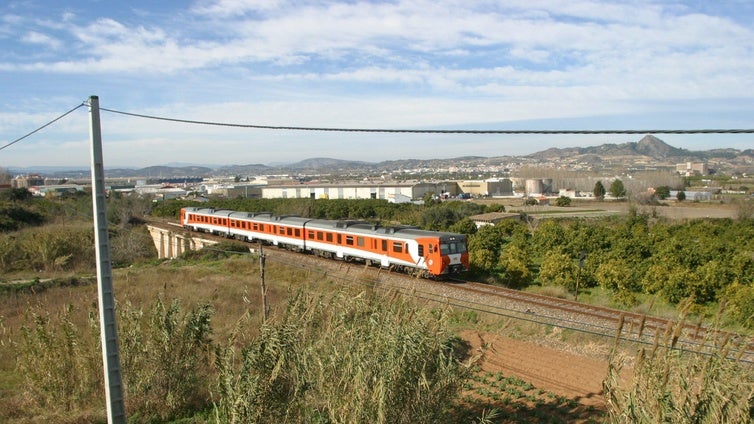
(171, 243)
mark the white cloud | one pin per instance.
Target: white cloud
(384, 64)
(34, 37)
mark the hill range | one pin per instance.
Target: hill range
(648, 153)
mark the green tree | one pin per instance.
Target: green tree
(429, 198)
(495, 207)
(438, 218)
(549, 236)
(615, 275)
(563, 201)
(681, 196)
(741, 304)
(617, 189)
(599, 190)
(558, 269)
(514, 265)
(464, 226)
(21, 194)
(662, 192)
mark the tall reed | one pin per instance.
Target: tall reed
(709, 385)
(342, 359)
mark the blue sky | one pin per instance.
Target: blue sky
(423, 64)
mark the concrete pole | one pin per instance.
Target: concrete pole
(116, 412)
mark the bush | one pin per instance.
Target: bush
(344, 359)
(61, 360)
(58, 247)
(563, 201)
(164, 359)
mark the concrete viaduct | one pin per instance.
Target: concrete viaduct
(171, 240)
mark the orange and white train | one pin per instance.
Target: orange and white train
(403, 248)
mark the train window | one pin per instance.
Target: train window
(360, 241)
(349, 240)
(261, 227)
(453, 248)
(421, 250)
(329, 237)
(340, 240)
(397, 247)
(298, 232)
(310, 235)
(319, 235)
(444, 249)
(431, 248)
(384, 245)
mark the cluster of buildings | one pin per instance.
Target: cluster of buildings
(276, 187)
(688, 169)
(394, 192)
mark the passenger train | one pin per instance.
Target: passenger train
(403, 248)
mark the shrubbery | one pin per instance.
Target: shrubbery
(343, 359)
(164, 360)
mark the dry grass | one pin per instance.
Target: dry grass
(671, 385)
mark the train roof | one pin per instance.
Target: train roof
(350, 226)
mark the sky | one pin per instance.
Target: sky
(421, 64)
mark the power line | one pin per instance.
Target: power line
(43, 126)
(416, 131)
(386, 130)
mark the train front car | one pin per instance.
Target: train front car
(448, 255)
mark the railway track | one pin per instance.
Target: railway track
(517, 305)
(557, 312)
(633, 326)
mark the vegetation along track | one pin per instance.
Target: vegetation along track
(633, 326)
(536, 308)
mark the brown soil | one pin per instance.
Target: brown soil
(573, 383)
(565, 374)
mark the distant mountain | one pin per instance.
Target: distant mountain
(655, 148)
(326, 163)
(159, 172)
(649, 147)
(649, 151)
(251, 169)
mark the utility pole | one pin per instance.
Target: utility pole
(582, 255)
(264, 288)
(116, 411)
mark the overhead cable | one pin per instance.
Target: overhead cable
(43, 126)
(428, 131)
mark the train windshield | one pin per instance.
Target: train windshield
(453, 247)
